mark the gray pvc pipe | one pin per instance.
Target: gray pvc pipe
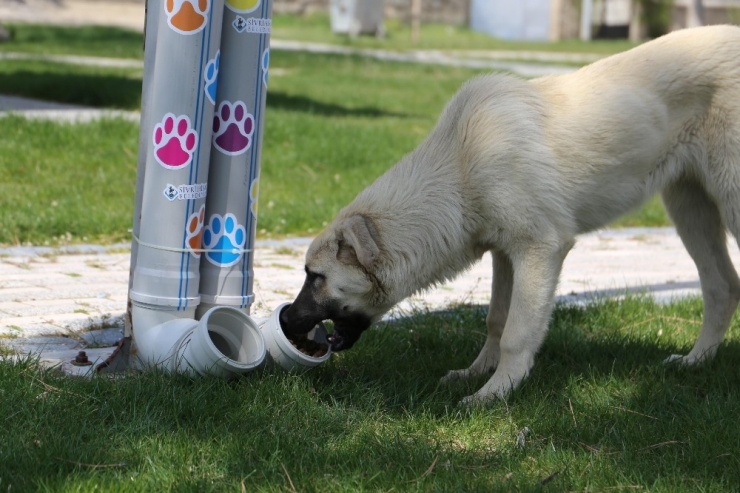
(176, 135)
(203, 104)
(151, 19)
(231, 214)
(182, 60)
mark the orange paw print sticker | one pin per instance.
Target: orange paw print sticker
(187, 16)
(194, 236)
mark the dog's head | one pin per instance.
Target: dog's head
(340, 284)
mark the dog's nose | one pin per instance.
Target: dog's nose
(292, 322)
(284, 318)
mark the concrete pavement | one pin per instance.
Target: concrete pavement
(128, 14)
(52, 292)
(56, 302)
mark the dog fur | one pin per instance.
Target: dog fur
(520, 168)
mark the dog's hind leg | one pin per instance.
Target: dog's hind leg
(498, 311)
(699, 224)
(536, 269)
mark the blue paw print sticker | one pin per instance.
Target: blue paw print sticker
(211, 77)
(265, 65)
(223, 240)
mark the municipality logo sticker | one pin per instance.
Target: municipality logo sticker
(185, 192)
(240, 24)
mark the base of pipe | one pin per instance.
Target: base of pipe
(224, 343)
(207, 302)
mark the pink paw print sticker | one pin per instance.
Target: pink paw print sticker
(233, 127)
(174, 141)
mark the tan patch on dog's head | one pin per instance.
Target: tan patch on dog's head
(346, 255)
(357, 243)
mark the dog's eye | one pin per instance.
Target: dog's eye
(312, 276)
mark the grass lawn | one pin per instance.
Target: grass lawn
(603, 414)
(323, 136)
(316, 28)
(122, 43)
(333, 125)
(76, 40)
(72, 84)
(63, 183)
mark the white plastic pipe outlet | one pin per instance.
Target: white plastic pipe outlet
(225, 342)
(283, 353)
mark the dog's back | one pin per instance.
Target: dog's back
(628, 125)
(613, 133)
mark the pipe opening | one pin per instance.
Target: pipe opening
(300, 353)
(233, 338)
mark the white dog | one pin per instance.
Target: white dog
(519, 168)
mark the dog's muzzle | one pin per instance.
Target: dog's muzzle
(347, 328)
(295, 321)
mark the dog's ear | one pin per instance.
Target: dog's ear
(357, 242)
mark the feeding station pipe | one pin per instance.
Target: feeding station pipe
(203, 102)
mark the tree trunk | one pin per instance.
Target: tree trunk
(415, 20)
(695, 14)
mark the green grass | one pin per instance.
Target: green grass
(122, 43)
(324, 136)
(333, 124)
(77, 40)
(652, 214)
(602, 409)
(316, 28)
(72, 84)
(66, 182)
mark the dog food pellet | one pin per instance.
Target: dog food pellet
(308, 347)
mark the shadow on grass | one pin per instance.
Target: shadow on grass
(122, 92)
(79, 40)
(95, 90)
(606, 398)
(570, 352)
(602, 409)
(281, 100)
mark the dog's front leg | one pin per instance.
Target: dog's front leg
(498, 310)
(535, 277)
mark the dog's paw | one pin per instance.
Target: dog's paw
(487, 395)
(687, 360)
(454, 376)
(480, 400)
(472, 401)
(675, 359)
